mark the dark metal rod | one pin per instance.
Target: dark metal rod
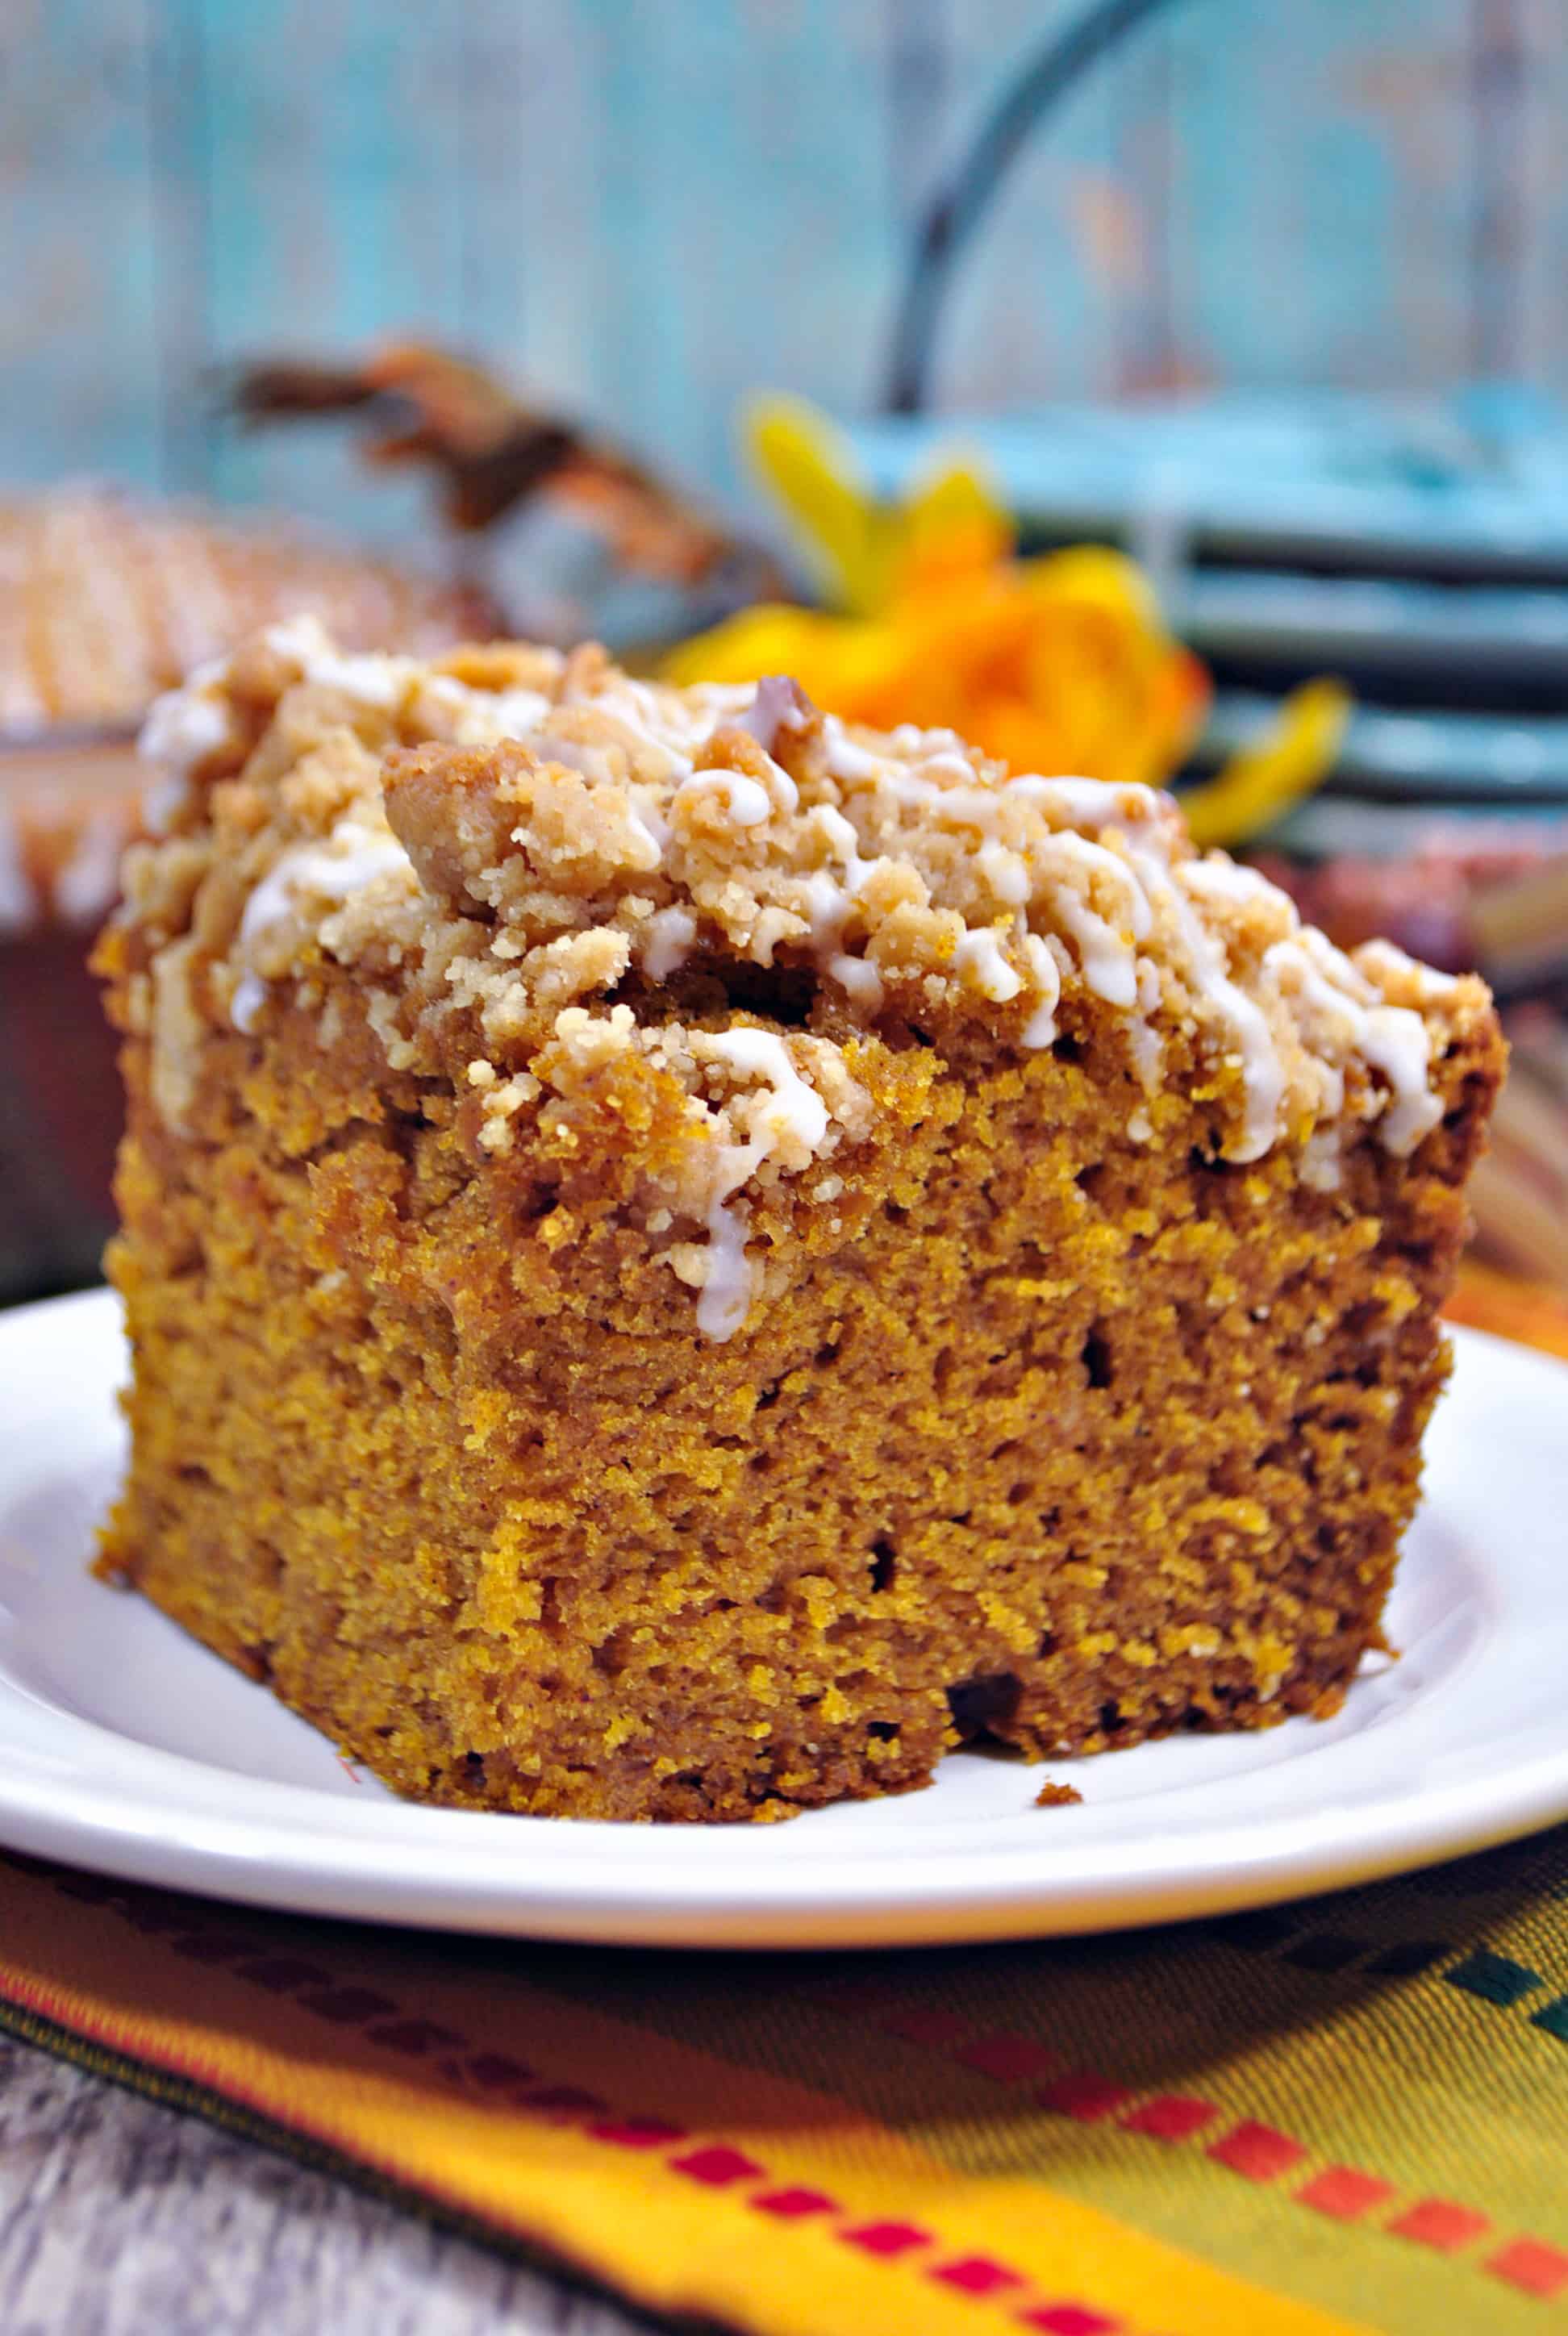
(961, 205)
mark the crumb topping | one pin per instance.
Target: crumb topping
(523, 860)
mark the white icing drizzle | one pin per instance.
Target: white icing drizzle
(979, 955)
(353, 856)
(590, 756)
(250, 995)
(1319, 1169)
(792, 1118)
(1088, 803)
(514, 712)
(777, 706)
(1394, 1041)
(1386, 959)
(183, 729)
(653, 839)
(861, 978)
(475, 716)
(1106, 950)
(827, 901)
(1262, 1073)
(840, 836)
(378, 682)
(1148, 1047)
(725, 1300)
(1226, 880)
(1040, 1029)
(185, 726)
(1346, 1015)
(787, 1120)
(669, 935)
(1006, 873)
(746, 799)
(850, 763)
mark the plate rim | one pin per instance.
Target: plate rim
(346, 1866)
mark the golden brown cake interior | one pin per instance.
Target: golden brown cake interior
(681, 1259)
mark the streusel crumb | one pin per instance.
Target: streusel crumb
(487, 840)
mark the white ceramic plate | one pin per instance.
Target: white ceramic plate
(126, 1747)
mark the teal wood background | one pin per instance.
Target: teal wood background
(644, 208)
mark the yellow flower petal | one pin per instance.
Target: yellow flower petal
(810, 469)
(1258, 785)
(768, 638)
(954, 523)
(1091, 572)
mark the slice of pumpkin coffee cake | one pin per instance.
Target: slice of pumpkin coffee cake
(682, 1259)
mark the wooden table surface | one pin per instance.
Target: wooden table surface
(121, 2217)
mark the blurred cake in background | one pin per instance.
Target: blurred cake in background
(105, 601)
